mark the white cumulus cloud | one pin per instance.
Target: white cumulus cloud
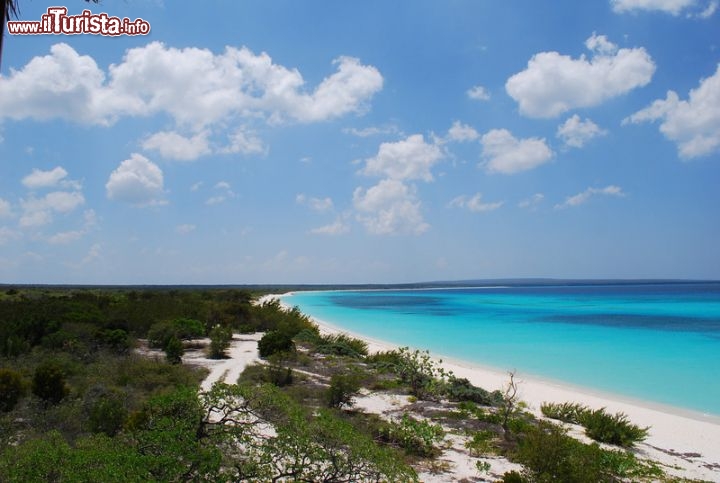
(136, 180)
(410, 158)
(338, 227)
(390, 207)
(196, 87)
(172, 145)
(575, 132)
(673, 7)
(245, 142)
(554, 83)
(316, 204)
(693, 124)
(44, 179)
(584, 196)
(478, 93)
(475, 203)
(39, 211)
(506, 154)
(462, 132)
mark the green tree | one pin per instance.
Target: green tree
(274, 342)
(48, 382)
(220, 338)
(343, 388)
(174, 350)
(11, 389)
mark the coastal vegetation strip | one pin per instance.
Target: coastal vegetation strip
(79, 402)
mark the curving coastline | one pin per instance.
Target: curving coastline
(678, 438)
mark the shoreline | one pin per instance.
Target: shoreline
(678, 437)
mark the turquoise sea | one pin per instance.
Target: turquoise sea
(658, 342)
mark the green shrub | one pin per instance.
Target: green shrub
(220, 338)
(11, 389)
(415, 437)
(427, 380)
(274, 342)
(460, 389)
(188, 328)
(174, 350)
(48, 382)
(482, 443)
(107, 414)
(599, 425)
(341, 345)
(513, 477)
(274, 374)
(612, 428)
(343, 388)
(386, 361)
(565, 412)
(115, 339)
(549, 454)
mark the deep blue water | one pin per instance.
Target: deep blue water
(656, 342)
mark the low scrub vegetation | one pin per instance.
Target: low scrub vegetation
(599, 425)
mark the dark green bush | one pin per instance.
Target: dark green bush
(48, 382)
(343, 388)
(174, 350)
(513, 477)
(549, 454)
(220, 338)
(599, 425)
(386, 361)
(341, 345)
(460, 389)
(416, 437)
(274, 342)
(107, 414)
(565, 412)
(11, 389)
(274, 374)
(611, 428)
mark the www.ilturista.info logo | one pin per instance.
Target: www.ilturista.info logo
(57, 21)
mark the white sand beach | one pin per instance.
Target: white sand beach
(687, 444)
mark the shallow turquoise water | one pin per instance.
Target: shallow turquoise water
(658, 343)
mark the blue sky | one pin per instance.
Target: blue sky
(362, 142)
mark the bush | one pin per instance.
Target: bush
(612, 428)
(343, 388)
(565, 412)
(274, 342)
(107, 415)
(387, 361)
(513, 477)
(460, 389)
(174, 350)
(549, 454)
(599, 425)
(188, 328)
(341, 345)
(274, 374)
(415, 437)
(48, 383)
(425, 377)
(11, 389)
(220, 338)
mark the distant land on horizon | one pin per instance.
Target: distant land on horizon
(280, 287)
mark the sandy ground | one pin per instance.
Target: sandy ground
(242, 352)
(686, 443)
